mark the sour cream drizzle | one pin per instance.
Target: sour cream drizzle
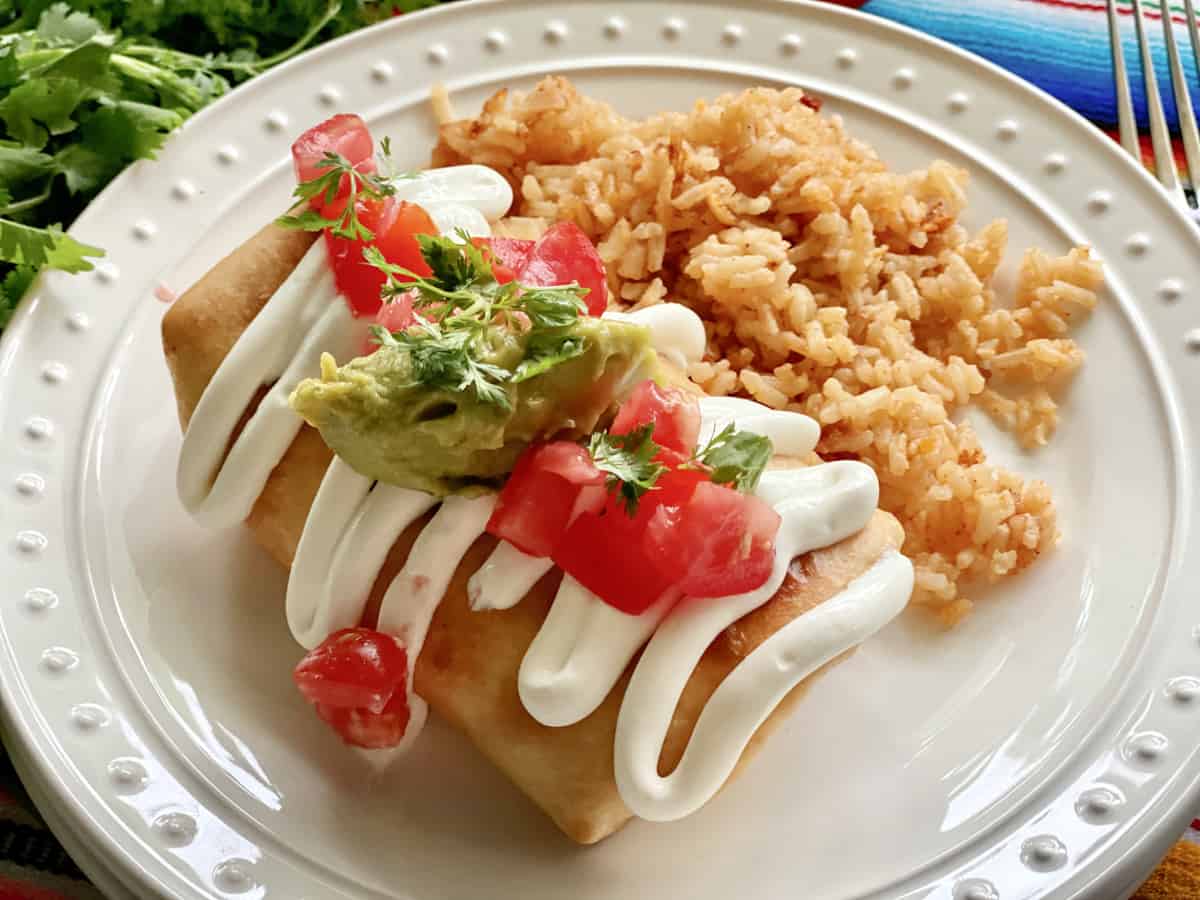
(283, 346)
(584, 644)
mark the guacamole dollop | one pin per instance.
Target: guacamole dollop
(389, 426)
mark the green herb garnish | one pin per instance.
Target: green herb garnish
(442, 358)
(31, 248)
(736, 458)
(334, 167)
(629, 461)
(83, 94)
(459, 309)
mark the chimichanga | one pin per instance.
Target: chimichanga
(468, 667)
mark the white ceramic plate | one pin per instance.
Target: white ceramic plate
(1045, 748)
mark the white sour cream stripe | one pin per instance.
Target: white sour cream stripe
(745, 698)
(275, 343)
(505, 578)
(349, 531)
(580, 651)
(475, 186)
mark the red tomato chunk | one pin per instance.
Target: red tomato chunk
(717, 544)
(687, 534)
(536, 503)
(358, 679)
(606, 550)
(565, 254)
(507, 255)
(344, 134)
(395, 225)
(372, 731)
(676, 416)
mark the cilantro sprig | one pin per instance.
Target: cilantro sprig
(460, 309)
(443, 358)
(732, 457)
(736, 458)
(629, 462)
(335, 170)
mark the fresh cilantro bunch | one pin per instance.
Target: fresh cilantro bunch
(89, 86)
(460, 308)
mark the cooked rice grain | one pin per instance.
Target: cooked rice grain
(828, 284)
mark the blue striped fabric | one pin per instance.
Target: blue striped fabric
(1061, 46)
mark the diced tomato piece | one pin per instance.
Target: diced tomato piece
(396, 314)
(395, 224)
(354, 667)
(511, 252)
(565, 254)
(592, 498)
(675, 414)
(673, 489)
(358, 681)
(539, 497)
(344, 134)
(605, 551)
(507, 255)
(717, 544)
(373, 731)
(568, 461)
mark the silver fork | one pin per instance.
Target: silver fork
(1160, 134)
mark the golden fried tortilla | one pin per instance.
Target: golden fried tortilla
(467, 670)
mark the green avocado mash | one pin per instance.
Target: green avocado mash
(390, 426)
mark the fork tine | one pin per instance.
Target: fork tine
(1160, 135)
(1183, 99)
(1190, 14)
(1125, 118)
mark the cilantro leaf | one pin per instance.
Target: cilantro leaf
(83, 168)
(305, 220)
(442, 359)
(86, 62)
(453, 265)
(24, 245)
(554, 307)
(461, 308)
(59, 24)
(127, 130)
(737, 458)
(10, 67)
(18, 164)
(12, 289)
(628, 460)
(36, 109)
